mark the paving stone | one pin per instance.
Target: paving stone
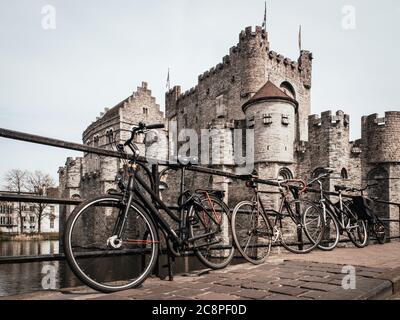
(289, 276)
(290, 291)
(224, 289)
(230, 282)
(313, 273)
(216, 296)
(200, 285)
(319, 286)
(179, 298)
(312, 294)
(187, 292)
(252, 294)
(283, 297)
(288, 282)
(368, 274)
(257, 286)
(111, 297)
(315, 279)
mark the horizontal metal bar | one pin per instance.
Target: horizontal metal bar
(21, 136)
(37, 199)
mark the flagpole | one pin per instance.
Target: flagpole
(264, 25)
(300, 44)
(168, 85)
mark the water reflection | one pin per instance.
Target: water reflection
(27, 277)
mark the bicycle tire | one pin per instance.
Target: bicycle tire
(228, 254)
(352, 217)
(331, 227)
(252, 256)
(72, 260)
(294, 223)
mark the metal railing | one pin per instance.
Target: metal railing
(153, 174)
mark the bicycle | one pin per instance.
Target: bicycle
(254, 232)
(338, 218)
(363, 206)
(112, 241)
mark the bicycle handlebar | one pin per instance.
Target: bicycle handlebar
(141, 128)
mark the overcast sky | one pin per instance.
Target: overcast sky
(55, 82)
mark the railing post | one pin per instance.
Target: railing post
(398, 226)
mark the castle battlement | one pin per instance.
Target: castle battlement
(391, 118)
(249, 33)
(380, 135)
(252, 41)
(328, 119)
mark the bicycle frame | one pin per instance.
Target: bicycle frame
(133, 190)
(278, 215)
(327, 205)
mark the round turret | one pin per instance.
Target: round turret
(381, 137)
(271, 113)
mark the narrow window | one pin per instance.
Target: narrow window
(267, 119)
(285, 119)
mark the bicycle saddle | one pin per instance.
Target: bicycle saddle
(216, 193)
(186, 160)
(341, 188)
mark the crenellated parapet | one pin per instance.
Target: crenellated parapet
(381, 137)
(328, 119)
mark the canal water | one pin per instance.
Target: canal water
(28, 277)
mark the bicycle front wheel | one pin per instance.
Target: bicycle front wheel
(211, 232)
(101, 259)
(302, 226)
(251, 232)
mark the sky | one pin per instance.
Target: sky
(54, 82)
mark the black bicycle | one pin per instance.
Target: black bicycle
(338, 217)
(112, 241)
(254, 231)
(364, 207)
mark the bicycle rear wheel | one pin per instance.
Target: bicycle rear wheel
(101, 263)
(302, 226)
(251, 232)
(356, 228)
(331, 235)
(210, 226)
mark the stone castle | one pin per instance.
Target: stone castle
(254, 88)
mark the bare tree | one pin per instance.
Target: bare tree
(16, 181)
(38, 183)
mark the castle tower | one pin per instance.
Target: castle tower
(271, 113)
(329, 147)
(252, 48)
(381, 162)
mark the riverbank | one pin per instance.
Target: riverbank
(29, 237)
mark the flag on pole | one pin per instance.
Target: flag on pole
(264, 25)
(300, 38)
(168, 85)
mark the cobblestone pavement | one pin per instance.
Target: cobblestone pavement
(285, 277)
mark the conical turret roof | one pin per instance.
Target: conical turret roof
(269, 92)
